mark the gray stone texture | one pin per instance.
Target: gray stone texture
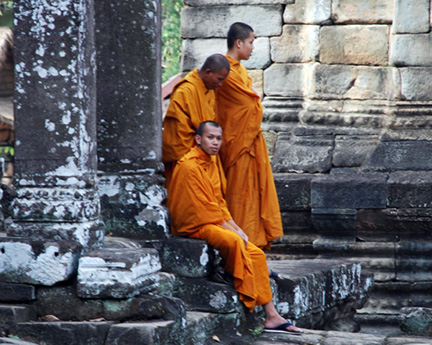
(308, 12)
(197, 257)
(37, 262)
(409, 189)
(286, 80)
(352, 82)
(303, 153)
(412, 17)
(354, 44)
(352, 151)
(117, 273)
(73, 333)
(416, 321)
(202, 22)
(363, 11)
(56, 79)
(64, 303)
(17, 293)
(358, 191)
(297, 43)
(293, 191)
(128, 101)
(411, 50)
(415, 83)
(199, 3)
(298, 295)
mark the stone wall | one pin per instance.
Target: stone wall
(347, 91)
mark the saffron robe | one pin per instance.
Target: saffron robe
(198, 209)
(190, 104)
(250, 191)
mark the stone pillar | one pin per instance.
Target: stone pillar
(55, 123)
(128, 41)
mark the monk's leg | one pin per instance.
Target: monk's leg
(237, 260)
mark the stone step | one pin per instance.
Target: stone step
(320, 294)
(339, 338)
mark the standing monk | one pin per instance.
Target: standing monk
(198, 210)
(192, 102)
(251, 192)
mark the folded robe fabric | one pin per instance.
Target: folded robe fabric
(190, 104)
(250, 191)
(198, 209)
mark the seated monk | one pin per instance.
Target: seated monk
(198, 210)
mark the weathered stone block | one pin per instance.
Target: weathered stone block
(197, 257)
(195, 51)
(400, 155)
(257, 76)
(235, 2)
(349, 191)
(409, 189)
(132, 207)
(10, 315)
(416, 321)
(415, 83)
(117, 273)
(300, 291)
(132, 43)
(64, 303)
(354, 45)
(73, 333)
(285, 80)
(411, 17)
(281, 109)
(157, 332)
(352, 151)
(377, 225)
(337, 224)
(207, 296)
(293, 191)
(413, 261)
(215, 21)
(17, 293)
(307, 12)
(352, 82)
(411, 50)
(37, 262)
(362, 11)
(413, 223)
(260, 58)
(298, 43)
(303, 153)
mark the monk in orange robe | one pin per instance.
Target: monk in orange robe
(198, 210)
(191, 103)
(251, 192)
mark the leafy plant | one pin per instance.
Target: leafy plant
(171, 40)
(6, 13)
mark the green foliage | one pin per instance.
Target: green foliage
(6, 13)
(171, 40)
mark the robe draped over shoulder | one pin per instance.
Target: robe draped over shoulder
(250, 193)
(198, 209)
(190, 104)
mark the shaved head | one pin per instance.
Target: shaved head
(216, 63)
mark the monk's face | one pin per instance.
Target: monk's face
(211, 140)
(246, 47)
(213, 80)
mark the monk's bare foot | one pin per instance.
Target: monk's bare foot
(276, 322)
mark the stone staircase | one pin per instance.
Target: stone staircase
(162, 293)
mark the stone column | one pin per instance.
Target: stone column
(55, 123)
(128, 41)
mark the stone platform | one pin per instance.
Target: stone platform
(184, 306)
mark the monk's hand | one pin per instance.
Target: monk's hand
(243, 236)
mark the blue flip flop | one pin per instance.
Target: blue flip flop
(283, 329)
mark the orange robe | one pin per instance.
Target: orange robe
(198, 209)
(250, 191)
(190, 104)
